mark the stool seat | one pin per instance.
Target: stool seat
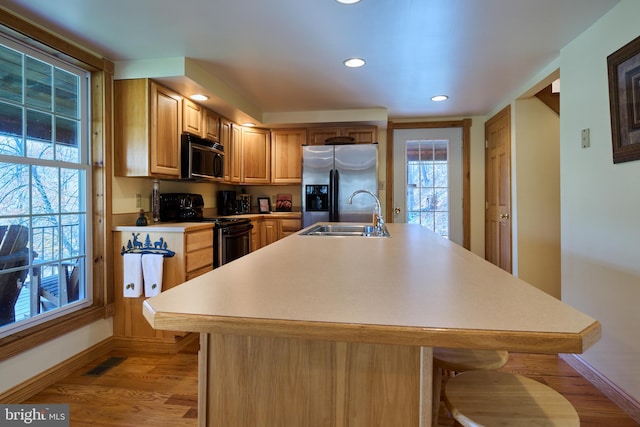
(462, 359)
(492, 398)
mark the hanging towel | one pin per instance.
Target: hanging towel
(152, 271)
(132, 275)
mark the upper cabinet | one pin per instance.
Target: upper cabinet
(225, 140)
(211, 125)
(192, 117)
(235, 153)
(360, 134)
(255, 162)
(200, 121)
(147, 127)
(286, 155)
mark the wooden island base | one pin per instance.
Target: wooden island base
(266, 381)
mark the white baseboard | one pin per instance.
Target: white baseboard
(627, 403)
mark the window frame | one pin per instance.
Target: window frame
(99, 204)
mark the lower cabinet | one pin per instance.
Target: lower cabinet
(270, 228)
(269, 232)
(290, 226)
(256, 242)
(192, 256)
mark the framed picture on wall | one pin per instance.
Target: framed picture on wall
(624, 99)
(264, 205)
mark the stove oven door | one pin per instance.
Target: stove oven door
(234, 241)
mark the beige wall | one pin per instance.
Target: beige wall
(600, 202)
(537, 194)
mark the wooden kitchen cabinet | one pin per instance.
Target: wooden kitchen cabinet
(286, 155)
(192, 117)
(211, 125)
(193, 256)
(225, 140)
(255, 234)
(360, 134)
(270, 231)
(235, 154)
(317, 136)
(255, 161)
(198, 252)
(289, 226)
(200, 121)
(147, 127)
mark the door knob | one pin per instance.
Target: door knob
(396, 210)
(504, 216)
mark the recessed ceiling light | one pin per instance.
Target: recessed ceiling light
(354, 62)
(439, 98)
(199, 97)
(248, 124)
(347, 1)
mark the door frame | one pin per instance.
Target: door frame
(465, 124)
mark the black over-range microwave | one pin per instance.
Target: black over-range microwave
(201, 159)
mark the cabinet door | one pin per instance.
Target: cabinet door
(256, 242)
(286, 156)
(256, 156)
(235, 154)
(211, 124)
(317, 136)
(270, 231)
(362, 135)
(192, 117)
(289, 226)
(225, 140)
(165, 131)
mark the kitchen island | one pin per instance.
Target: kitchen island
(338, 331)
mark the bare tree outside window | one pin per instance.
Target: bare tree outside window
(428, 185)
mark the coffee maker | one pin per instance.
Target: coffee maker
(227, 204)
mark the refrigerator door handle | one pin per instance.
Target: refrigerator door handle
(331, 194)
(335, 195)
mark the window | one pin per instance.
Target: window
(45, 184)
(428, 184)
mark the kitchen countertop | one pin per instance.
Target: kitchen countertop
(181, 227)
(414, 288)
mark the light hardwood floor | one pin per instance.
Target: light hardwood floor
(161, 390)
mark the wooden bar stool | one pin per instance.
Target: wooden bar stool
(461, 360)
(492, 398)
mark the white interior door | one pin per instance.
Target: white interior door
(428, 179)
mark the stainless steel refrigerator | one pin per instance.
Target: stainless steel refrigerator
(330, 174)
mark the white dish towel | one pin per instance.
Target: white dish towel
(152, 270)
(132, 275)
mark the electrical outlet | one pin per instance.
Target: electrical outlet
(585, 138)
(138, 201)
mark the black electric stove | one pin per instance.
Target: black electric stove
(231, 236)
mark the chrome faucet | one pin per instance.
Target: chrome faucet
(378, 221)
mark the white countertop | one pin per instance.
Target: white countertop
(413, 288)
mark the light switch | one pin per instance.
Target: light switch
(586, 138)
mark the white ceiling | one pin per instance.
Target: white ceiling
(267, 57)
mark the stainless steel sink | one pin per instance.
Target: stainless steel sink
(360, 230)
